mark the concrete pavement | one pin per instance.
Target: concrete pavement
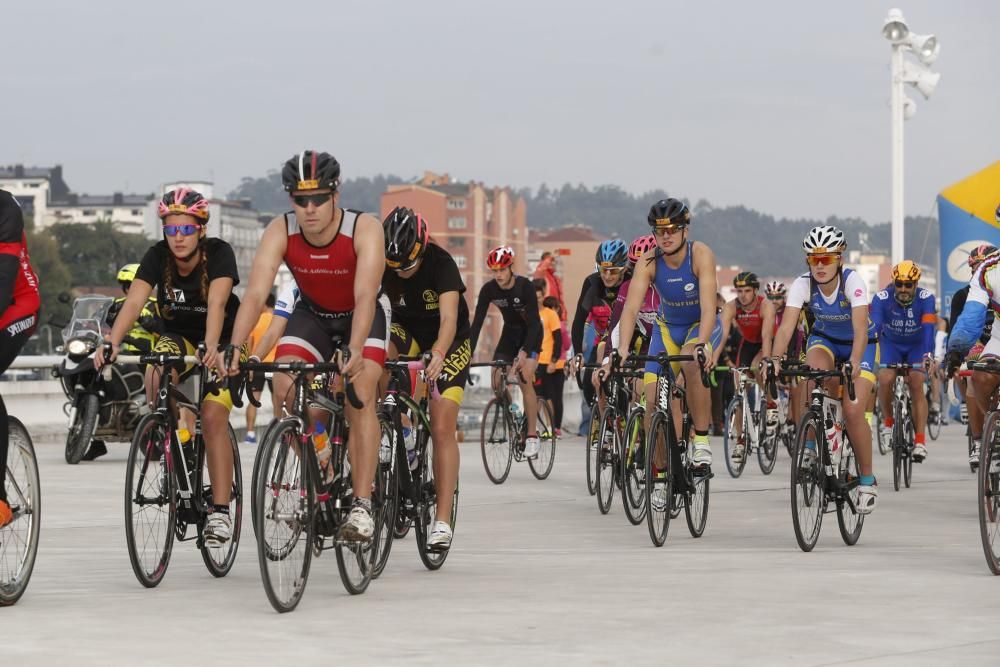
(537, 576)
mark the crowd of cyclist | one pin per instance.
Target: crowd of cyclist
(386, 288)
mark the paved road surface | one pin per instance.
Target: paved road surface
(537, 576)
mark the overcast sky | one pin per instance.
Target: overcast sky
(781, 106)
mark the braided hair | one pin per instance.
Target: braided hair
(170, 273)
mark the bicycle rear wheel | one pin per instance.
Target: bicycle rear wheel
(541, 465)
(427, 513)
(385, 530)
(606, 459)
(286, 517)
(150, 501)
(734, 434)
(883, 445)
(897, 454)
(219, 560)
(850, 522)
(909, 435)
(19, 538)
(495, 442)
(988, 491)
(634, 467)
(355, 560)
(767, 452)
(933, 416)
(807, 494)
(659, 484)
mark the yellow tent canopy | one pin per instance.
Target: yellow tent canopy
(978, 194)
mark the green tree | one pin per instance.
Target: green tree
(94, 253)
(267, 195)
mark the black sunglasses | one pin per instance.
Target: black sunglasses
(905, 283)
(315, 200)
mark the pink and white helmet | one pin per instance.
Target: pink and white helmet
(640, 247)
(184, 201)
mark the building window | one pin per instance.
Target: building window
(456, 241)
(88, 212)
(136, 211)
(460, 261)
(457, 223)
(456, 204)
(108, 212)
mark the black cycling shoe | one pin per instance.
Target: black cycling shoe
(97, 449)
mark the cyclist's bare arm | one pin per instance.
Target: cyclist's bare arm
(266, 262)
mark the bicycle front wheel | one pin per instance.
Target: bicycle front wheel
(495, 440)
(150, 501)
(432, 559)
(541, 465)
(659, 484)
(807, 494)
(607, 453)
(934, 416)
(910, 436)
(591, 448)
(989, 491)
(286, 517)
(735, 437)
(385, 529)
(219, 560)
(634, 467)
(696, 502)
(19, 538)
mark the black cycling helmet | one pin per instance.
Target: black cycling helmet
(746, 279)
(405, 238)
(669, 211)
(310, 170)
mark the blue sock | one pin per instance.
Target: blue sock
(867, 480)
(811, 444)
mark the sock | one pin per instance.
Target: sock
(889, 421)
(221, 509)
(251, 434)
(700, 437)
(868, 417)
(867, 480)
(920, 438)
(811, 444)
(365, 503)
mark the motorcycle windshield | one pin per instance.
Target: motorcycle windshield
(88, 319)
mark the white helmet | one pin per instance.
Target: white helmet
(823, 240)
(775, 288)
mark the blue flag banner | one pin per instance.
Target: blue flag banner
(966, 218)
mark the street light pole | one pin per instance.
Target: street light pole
(896, 219)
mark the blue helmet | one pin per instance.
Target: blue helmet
(611, 254)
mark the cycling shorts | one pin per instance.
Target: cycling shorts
(13, 336)
(671, 338)
(455, 373)
(314, 337)
(513, 340)
(747, 352)
(891, 352)
(215, 390)
(841, 352)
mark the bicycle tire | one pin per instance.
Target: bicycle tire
(734, 412)
(149, 443)
(287, 521)
(606, 458)
(807, 485)
(497, 448)
(82, 431)
(27, 517)
(221, 567)
(988, 493)
(427, 513)
(634, 466)
(658, 518)
(767, 452)
(696, 502)
(541, 465)
(256, 473)
(385, 531)
(849, 521)
(908, 430)
(591, 448)
(883, 446)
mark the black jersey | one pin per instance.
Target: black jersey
(518, 306)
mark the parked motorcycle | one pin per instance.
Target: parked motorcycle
(103, 405)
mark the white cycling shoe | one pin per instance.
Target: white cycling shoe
(919, 453)
(867, 498)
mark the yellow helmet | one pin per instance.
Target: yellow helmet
(907, 271)
(126, 274)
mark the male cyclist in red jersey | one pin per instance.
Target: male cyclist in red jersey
(19, 304)
(754, 317)
(337, 257)
(521, 339)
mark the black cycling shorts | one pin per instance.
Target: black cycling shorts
(314, 337)
(455, 374)
(513, 340)
(747, 352)
(13, 337)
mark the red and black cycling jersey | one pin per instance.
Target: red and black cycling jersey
(750, 322)
(18, 283)
(518, 307)
(325, 274)
(595, 305)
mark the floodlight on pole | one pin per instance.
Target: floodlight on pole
(926, 48)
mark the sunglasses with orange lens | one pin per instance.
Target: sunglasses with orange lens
(821, 260)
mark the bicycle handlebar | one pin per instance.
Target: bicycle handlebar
(306, 367)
